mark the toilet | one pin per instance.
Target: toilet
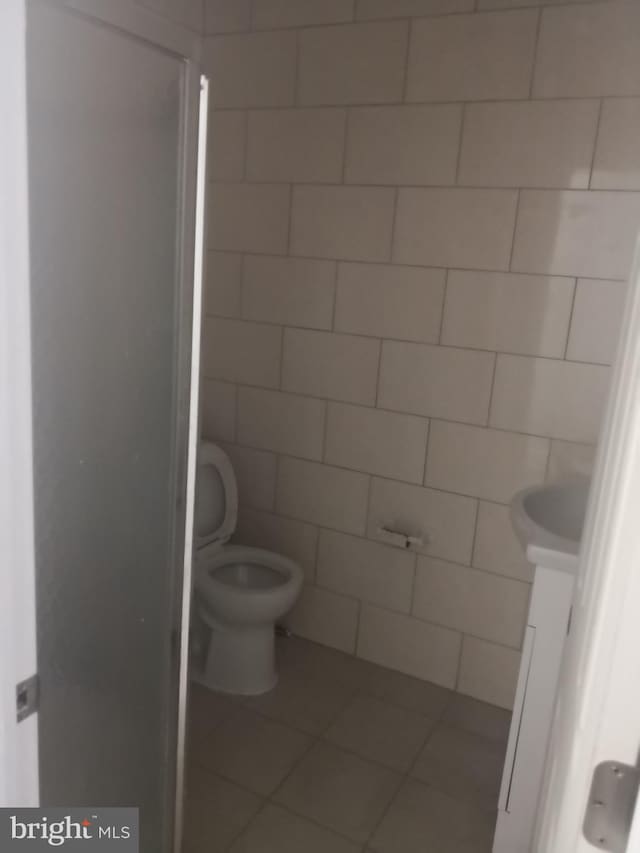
(240, 592)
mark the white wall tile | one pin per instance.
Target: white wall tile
(522, 314)
(472, 57)
(241, 352)
(340, 367)
(403, 145)
(569, 459)
(496, 547)
(484, 463)
(468, 600)
(294, 539)
(290, 291)
(366, 570)
(597, 320)
(455, 227)
(529, 144)
(371, 9)
(409, 645)
(348, 223)
(559, 399)
(251, 70)
(286, 423)
(576, 233)
(390, 301)
(439, 382)
(320, 494)
(296, 145)
(489, 672)
(445, 521)
(617, 161)
(376, 442)
(249, 217)
(255, 472)
(226, 145)
(589, 50)
(352, 64)
(519, 4)
(227, 16)
(272, 14)
(218, 410)
(224, 280)
(326, 618)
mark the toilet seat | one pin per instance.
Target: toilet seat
(240, 584)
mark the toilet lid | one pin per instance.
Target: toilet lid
(216, 512)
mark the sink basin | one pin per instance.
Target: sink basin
(548, 521)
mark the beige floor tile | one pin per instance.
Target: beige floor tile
(206, 711)
(339, 790)
(405, 691)
(424, 820)
(381, 732)
(462, 764)
(276, 830)
(307, 702)
(252, 751)
(478, 717)
(216, 811)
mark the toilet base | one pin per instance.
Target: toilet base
(240, 661)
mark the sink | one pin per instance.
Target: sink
(548, 521)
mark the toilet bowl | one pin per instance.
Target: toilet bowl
(240, 592)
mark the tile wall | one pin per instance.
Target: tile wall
(422, 213)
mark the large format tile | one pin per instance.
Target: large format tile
(277, 830)
(273, 14)
(249, 217)
(409, 645)
(378, 442)
(597, 320)
(570, 458)
(367, 64)
(503, 312)
(237, 351)
(435, 381)
(285, 423)
(226, 145)
(403, 145)
(346, 223)
(529, 144)
(617, 161)
(496, 548)
(424, 820)
(325, 617)
(472, 57)
(366, 570)
(471, 601)
(255, 472)
(226, 16)
(463, 765)
(381, 732)
(488, 672)
(453, 227)
(222, 297)
(206, 711)
(252, 751)
(410, 8)
(215, 812)
(477, 717)
(484, 463)
(402, 690)
(218, 410)
(339, 790)
(389, 301)
(589, 50)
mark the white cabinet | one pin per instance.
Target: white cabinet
(546, 632)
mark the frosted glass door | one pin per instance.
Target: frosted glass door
(106, 119)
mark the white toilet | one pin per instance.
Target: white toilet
(239, 592)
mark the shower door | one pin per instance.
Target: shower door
(112, 145)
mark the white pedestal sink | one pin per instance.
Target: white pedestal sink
(548, 521)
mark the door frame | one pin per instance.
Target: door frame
(19, 783)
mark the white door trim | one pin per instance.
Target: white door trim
(18, 742)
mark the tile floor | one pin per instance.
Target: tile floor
(343, 756)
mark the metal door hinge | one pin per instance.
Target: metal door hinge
(612, 800)
(27, 698)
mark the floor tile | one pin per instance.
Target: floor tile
(298, 657)
(478, 717)
(339, 790)
(381, 732)
(276, 830)
(407, 692)
(310, 703)
(206, 710)
(216, 811)
(252, 751)
(424, 820)
(462, 764)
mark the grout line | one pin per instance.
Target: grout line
(394, 219)
(335, 296)
(459, 668)
(534, 59)
(595, 143)
(296, 72)
(245, 152)
(426, 454)
(325, 430)
(515, 231)
(570, 324)
(407, 55)
(345, 146)
(463, 118)
(283, 330)
(491, 391)
(290, 222)
(378, 374)
(445, 293)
